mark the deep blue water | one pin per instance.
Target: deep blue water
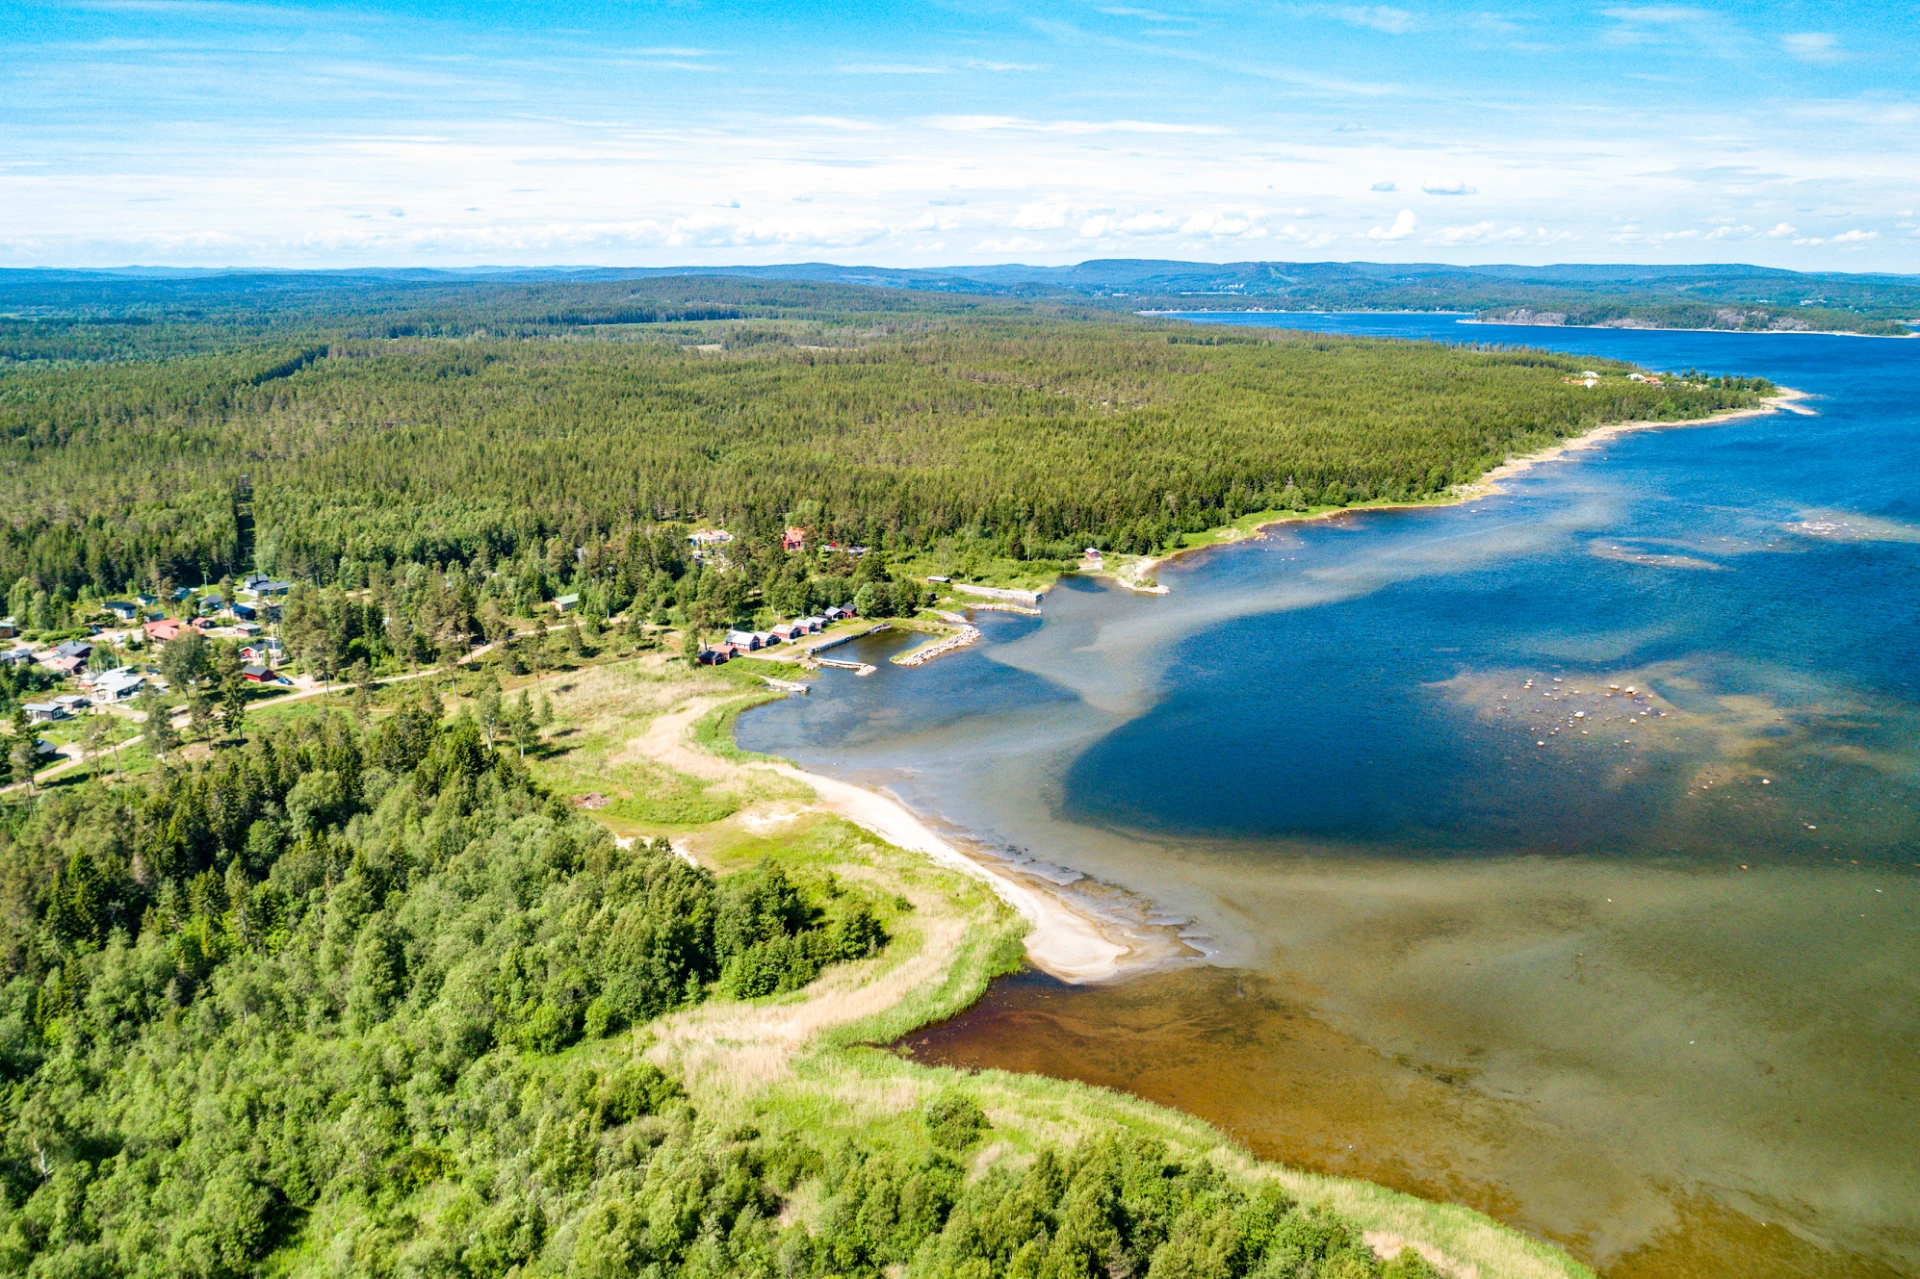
(1682, 554)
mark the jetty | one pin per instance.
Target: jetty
(958, 640)
(838, 640)
(841, 664)
(786, 685)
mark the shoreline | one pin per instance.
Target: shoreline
(1512, 324)
(1066, 938)
(1786, 400)
(1662, 328)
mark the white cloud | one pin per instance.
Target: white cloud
(1107, 226)
(1384, 186)
(1446, 186)
(1813, 46)
(1378, 17)
(1403, 226)
(1043, 215)
(1491, 233)
(1782, 231)
(1657, 14)
(1853, 237)
(1017, 124)
(1223, 226)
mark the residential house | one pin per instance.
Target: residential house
(745, 641)
(67, 665)
(74, 648)
(566, 603)
(22, 656)
(264, 650)
(767, 638)
(145, 601)
(43, 712)
(719, 655)
(9, 627)
(787, 631)
(814, 625)
(245, 612)
(794, 539)
(246, 630)
(211, 604)
(165, 629)
(125, 610)
(257, 673)
(118, 685)
(181, 593)
(709, 541)
(73, 703)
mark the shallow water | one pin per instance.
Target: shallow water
(1639, 971)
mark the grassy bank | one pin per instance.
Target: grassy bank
(814, 1065)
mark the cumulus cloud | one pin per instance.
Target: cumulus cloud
(1446, 186)
(1403, 226)
(1384, 186)
(1492, 233)
(1042, 215)
(1853, 237)
(1108, 226)
(1223, 226)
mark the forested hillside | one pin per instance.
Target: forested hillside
(895, 428)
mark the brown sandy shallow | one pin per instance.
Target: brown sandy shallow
(1233, 1048)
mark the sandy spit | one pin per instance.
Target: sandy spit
(1066, 940)
(1489, 483)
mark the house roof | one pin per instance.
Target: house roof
(255, 671)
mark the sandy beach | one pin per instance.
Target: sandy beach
(1787, 400)
(1143, 568)
(1066, 939)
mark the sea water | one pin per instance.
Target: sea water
(1556, 853)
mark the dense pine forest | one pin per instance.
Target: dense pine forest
(550, 424)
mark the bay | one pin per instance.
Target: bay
(1556, 853)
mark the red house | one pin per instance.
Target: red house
(795, 539)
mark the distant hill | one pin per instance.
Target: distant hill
(1699, 296)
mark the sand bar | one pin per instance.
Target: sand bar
(1066, 940)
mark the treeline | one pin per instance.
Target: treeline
(1693, 315)
(1030, 435)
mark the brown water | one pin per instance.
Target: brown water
(1238, 1050)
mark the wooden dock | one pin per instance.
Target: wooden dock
(841, 664)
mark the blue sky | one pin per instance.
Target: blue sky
(200, 132)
